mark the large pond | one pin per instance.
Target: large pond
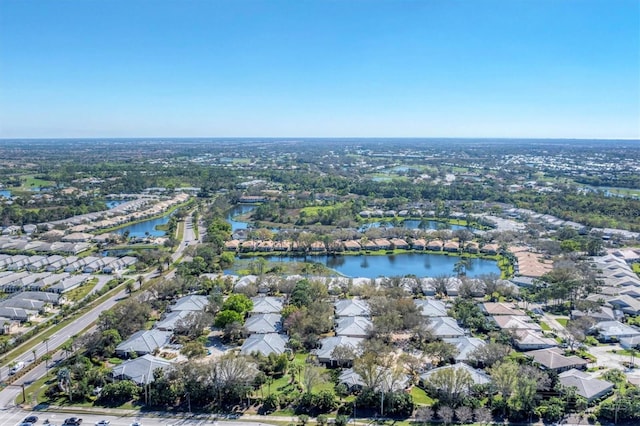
(146, 228)
(418, 264)
(413, 224)
(239, 210)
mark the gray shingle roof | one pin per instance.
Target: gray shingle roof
(351, 308)
(263, 323)
(431, 308)
(585, 385)
(140, 370)
(144, 342)
(479, 377)
(353, 326)
(445, 327)
(267, 305)
(265, 344)
(330, 343)
(190, 303)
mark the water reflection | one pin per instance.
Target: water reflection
(418, 264)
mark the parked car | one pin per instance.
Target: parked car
(17, 367)
(30, 419)
(72, 421)
(102, 423)
(136, 424)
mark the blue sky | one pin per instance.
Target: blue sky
(344, 68)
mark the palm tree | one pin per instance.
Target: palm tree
(461, 266)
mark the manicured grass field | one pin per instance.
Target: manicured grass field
(31, 181)
(420, 397)
(81, 292)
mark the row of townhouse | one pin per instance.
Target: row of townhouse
(399, 213)
(107, 264)
(116, 217)
(449, 286)
(27, 244)
(69, 264)
(33, 263)
(358, 245)
(16, 282)
(25, 306)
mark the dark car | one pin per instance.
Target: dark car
(30, 419)
(73, 421)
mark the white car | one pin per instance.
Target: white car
(102, 423)
(136, 424)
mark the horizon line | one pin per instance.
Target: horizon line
(329, 137)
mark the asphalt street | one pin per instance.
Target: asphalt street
(14, 417)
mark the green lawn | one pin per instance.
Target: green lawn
(77, 294)
(283, 384)
(544, 326)
(625, 352)
(636, 268)
(420, 397)
(31, 181)
(562, 321)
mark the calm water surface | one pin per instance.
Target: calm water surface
(418, 264)
(238, 210)
(140, 230)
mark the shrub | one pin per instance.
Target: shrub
(342, 420)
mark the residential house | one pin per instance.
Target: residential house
(478, 377)
(267, 305)
(529, 340)
(514, 322)
(140, 370)
(352, 308)
(328, 344)
(554, 359)
(192, 302)
(452, 246)
(387, 380)
(465, 345)
(353, 326)
(431, 307)
(445, 327)
(171, 320)
(143, 342)
(263, 323)
(68, 284)
(500, 308)
(265, 344)
(586, 386)
(614, 331)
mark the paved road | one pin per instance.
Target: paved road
(8, 395)
(14, 416)
(188, 238)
